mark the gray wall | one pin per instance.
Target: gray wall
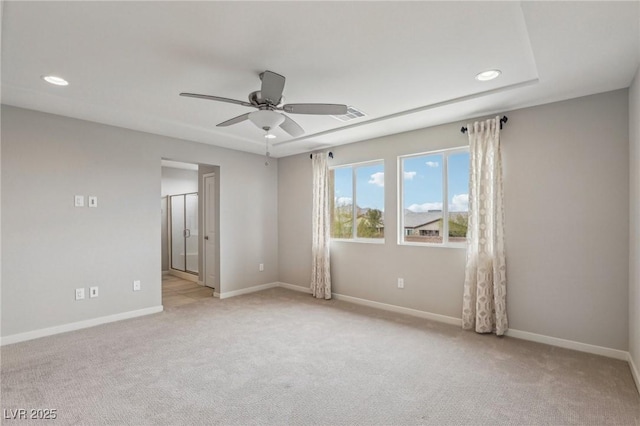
(173, 181)
(178, 181)
(566, 187)
(634, 220)
(50, 248)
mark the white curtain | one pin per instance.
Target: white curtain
(484, 302)
(321, 273)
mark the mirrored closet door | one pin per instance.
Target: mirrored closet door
(184, 232)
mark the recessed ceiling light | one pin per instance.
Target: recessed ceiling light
(58, 81)
(488, 75)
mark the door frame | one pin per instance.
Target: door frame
(205, 212)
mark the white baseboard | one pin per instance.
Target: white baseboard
(35, 334)
(524, 335)
(634, 371)
(247, 290)
(261, 287)
(518, 334)
(568, 344)
(184, 275)
(295, 287)
(398, 309)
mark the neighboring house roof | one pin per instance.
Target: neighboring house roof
(416, 219)
(413, 219)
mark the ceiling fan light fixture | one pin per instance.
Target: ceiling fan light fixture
(266, 118)
(269, 136)
(58, 81)
(488, 75)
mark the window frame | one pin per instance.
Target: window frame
(354, 226)
(446, 152)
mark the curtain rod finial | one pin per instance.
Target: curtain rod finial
(330, 155)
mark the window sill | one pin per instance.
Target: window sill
(358, 240)
(432, 245)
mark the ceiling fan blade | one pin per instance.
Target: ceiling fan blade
(234, 120)
(291, 127)
(272, 87)
(216, 98)
(321, 109)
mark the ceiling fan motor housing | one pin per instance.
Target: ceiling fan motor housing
(256, 98)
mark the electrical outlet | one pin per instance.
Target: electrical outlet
(136, 285)
(78, 201)
(400, 282)
(79, 293)
(93, 201)
(93, 292)
(261, 267)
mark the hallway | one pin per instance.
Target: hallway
(177, 292)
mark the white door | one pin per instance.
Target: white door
(210, 273)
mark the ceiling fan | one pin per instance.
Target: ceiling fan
(267, 100)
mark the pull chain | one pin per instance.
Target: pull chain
(267, 153)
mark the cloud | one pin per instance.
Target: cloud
(377, 179)
(409, 175)
(344, 201)
(432, 163)
(459, 203)
(425, 207)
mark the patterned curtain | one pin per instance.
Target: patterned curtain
(321, 273)
(485, 284)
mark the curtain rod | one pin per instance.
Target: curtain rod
(330, 155)
(503, 120)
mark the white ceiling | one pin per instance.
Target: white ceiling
(407, 65)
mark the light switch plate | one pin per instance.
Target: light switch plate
(79, 200)
(79, 293)
(93, 201)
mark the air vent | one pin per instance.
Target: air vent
(352, 114)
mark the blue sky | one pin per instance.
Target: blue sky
(370, 186)
(422, 183)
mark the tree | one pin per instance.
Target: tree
(342, 222)
(370, 224)
(458, 224)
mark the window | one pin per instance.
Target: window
(357, 212)
(427, 180)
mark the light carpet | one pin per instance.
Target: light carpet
(283, 357)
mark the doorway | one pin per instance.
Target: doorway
(190, 226)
